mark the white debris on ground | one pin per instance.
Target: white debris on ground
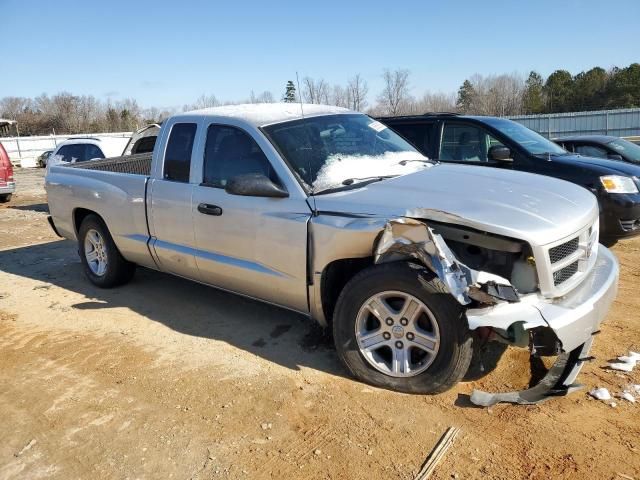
(628, 396)
(621, 366)
(600, 393)
(626, 363)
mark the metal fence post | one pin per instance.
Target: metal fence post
(18, 142)
(606, 122)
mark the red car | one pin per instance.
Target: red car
(7, 184)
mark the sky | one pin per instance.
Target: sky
(168, 53)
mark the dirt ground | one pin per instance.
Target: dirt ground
(164, 378)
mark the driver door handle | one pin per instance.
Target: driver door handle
(208, 209)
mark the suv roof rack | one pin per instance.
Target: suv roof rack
(84, 137)
(443, 114)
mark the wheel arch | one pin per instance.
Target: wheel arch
(79, 214)
(334, 278)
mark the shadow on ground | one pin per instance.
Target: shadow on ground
(280, 336)
(36, 207)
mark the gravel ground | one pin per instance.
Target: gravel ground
(164, 378)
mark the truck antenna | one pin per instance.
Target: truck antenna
(299, 95)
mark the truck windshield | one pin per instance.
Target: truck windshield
(532, 142)
(631, 151)
(341, 150)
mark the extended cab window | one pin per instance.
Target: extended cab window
(230, 152)
(177, 158)
(465, 142)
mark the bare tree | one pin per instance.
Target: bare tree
(434, 102)
(395, 97)
(357, 90)
(498, 95)
(203, 101)
(264, 97)
(315, 91)
(11, 107)
(340, 96)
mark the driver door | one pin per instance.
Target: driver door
(251, 245)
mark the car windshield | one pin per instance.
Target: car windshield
(628, 150)
(532, 142)
(339, 150)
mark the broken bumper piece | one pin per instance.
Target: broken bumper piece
(574, 319)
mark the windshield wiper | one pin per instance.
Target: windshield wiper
(404, 162)
(377, 178)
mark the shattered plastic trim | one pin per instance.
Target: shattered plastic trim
(407, 237)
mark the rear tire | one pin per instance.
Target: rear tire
(423, 341)
(103, 264)
(5, 198)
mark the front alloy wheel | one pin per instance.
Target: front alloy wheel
(396, 326)
(397, 334)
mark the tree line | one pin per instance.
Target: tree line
(501, 95)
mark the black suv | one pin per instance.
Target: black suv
(501, 143)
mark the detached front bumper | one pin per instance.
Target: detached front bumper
(574, 318)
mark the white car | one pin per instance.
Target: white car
(81, 149)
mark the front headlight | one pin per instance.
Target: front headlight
(618, 184)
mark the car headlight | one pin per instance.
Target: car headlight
(618, 184)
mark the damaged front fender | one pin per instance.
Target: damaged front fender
(404, 238)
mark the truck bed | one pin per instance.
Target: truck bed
(115, 189)
(138, 164)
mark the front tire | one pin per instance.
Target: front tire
(103, 264)
(5, 198)
(397, 327)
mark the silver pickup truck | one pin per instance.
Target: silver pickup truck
(327, 212)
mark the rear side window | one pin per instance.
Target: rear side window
(177, 158)
(91, 152)
(230, 152)
(591, 151)
(72, 153)
(80, 152)
(418, 134)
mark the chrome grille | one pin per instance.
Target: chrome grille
(563, 250)
(630, 225)
(565, 273)
(563, 265)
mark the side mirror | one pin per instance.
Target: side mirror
(500, 153)
(614, 156)
(255, 185)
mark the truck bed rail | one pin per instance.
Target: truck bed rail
(138, 164)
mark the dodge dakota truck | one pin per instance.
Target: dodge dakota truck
(329, 213)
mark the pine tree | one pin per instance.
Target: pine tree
(466, 97)
(559, 89)
(533, 97)
(290, 93)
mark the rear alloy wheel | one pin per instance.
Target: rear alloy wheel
(95, 252)
(103, 263)
(396, 326)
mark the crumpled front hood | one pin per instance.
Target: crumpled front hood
(534, 208)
